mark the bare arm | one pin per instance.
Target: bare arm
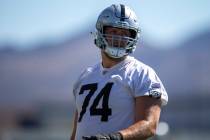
(147, 116)
(74, 126)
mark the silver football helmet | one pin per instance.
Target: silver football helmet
(118, 16)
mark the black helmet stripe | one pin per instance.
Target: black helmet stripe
(122, 17)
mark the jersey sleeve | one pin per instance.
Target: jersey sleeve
(147, 83)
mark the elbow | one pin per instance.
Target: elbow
(152, 130)
(148, 131)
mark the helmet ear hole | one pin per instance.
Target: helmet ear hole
(95, 41)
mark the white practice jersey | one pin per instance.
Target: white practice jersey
(105, 97)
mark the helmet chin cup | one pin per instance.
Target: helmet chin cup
(115, 52)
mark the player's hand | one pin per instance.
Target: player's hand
(112, 136)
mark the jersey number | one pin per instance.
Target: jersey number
(105, 111)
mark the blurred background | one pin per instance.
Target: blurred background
(44, 45)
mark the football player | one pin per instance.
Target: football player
(119, 98)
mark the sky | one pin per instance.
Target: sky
(161, 21)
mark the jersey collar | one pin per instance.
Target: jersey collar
(117, 66)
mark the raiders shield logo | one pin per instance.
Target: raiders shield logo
(155, 94)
